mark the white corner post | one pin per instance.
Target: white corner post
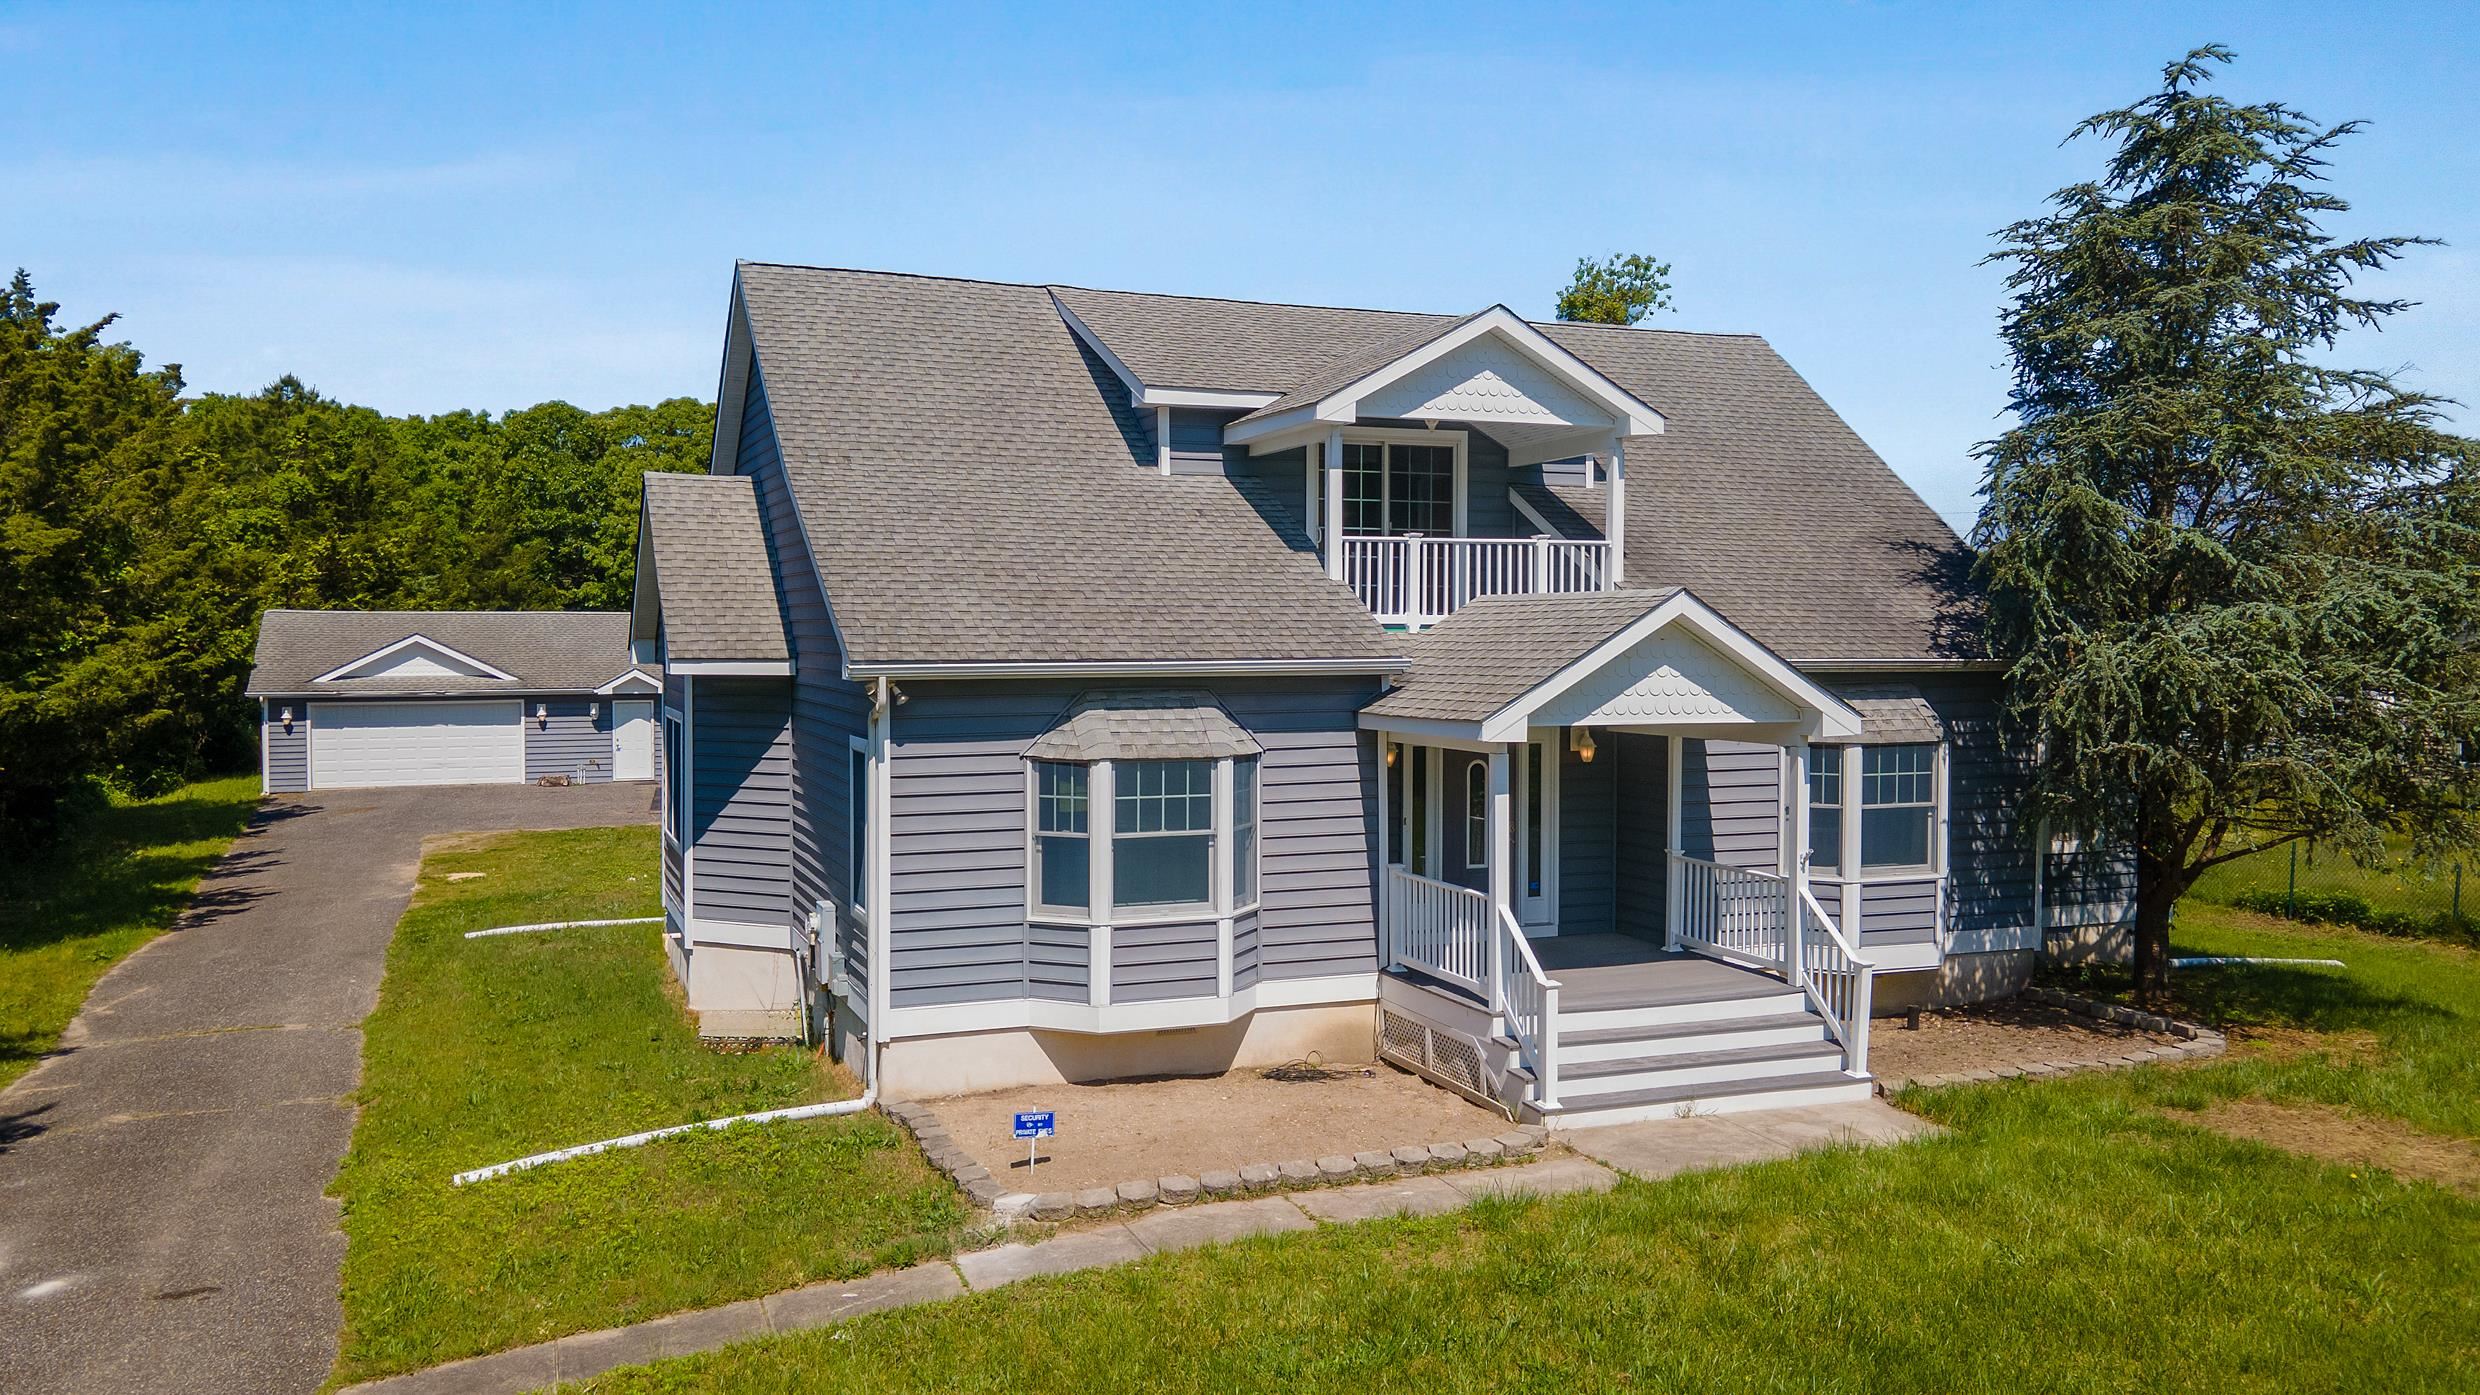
(1795, 883)
(1673, 895)
(1502, 876)
(1162, 439)
(1334, 504)
(1386, 863)
(1099, 788)
(1615, 514)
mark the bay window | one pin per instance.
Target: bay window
(1898, 808)
(1166, 820)
(1825, 810)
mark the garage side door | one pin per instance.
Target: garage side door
(416, 743)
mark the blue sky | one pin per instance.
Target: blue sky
(425, 207)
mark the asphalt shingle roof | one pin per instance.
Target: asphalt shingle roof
(1112, 725)
(547, 651)
(1573, 510)
(1496, 650)
(711, 571)
(976, 490)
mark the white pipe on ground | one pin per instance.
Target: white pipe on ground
(2210, 960)
(558, 925)
(764, 1116)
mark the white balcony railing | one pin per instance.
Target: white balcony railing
(1417, 581)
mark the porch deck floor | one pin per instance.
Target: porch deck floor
(1621, 969)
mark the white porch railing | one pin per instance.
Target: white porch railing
(1530, 1003)
(1416, 581)
(1838, 982)
(1731, 912)
(1441, 929)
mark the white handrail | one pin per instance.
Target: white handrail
(1440, 928)
(1532, 1010)
(1415, 581)
(1838, 981)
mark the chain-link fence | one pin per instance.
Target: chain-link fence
(2401, 895)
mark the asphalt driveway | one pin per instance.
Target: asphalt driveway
(163, 1218)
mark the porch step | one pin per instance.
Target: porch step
(1685, 1038)
(1584, 1083)
(1625, 1012)
(1671, 1101)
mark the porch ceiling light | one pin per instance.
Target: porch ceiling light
(1580, 740)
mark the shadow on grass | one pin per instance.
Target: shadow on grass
(2267, 995)
(132, 863)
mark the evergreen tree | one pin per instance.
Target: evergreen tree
(1616, 290)
(2234, 582)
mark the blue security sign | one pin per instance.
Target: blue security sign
(1035, 1124)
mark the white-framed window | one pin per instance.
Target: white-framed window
(1062, 838)
(857, 818)
(675, 780)
(1825, 810)
(1395, 481)
(1165, 821)
(1476, 814)
(1898, 808)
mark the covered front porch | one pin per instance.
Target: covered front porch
(1598, 850)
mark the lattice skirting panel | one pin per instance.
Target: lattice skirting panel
(1448, 1057)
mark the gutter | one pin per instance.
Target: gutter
(1195, 668)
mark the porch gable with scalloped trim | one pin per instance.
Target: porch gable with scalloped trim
(1668, 678)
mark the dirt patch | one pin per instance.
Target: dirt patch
(2287, 1044)
(1125, 1130)
(1986, 1036)
(2351, 1140)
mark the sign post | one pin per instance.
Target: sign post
(1033, 1126)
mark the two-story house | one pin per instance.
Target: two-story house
(1072, 684)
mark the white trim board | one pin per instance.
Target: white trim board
(1015, 1014)
(731, 668)
(1190, 668)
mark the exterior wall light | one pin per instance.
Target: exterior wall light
(594, 709)
(542, 716)
(1580, 740)
(1390, 755)
(286, 716)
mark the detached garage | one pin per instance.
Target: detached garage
(363, 699)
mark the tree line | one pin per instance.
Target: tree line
(143, 530)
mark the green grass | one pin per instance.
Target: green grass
(2400, 884)
(71, 911)
(2064, 1235)
(485, 1050)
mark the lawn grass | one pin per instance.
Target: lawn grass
(2402, 883)
(2069, 1234)
(485, 1050)
(117, 878)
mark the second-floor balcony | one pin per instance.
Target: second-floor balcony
(1412, 581)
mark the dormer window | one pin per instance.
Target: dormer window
(1398, 482)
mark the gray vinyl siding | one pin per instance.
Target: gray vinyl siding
(288, 752)
(574, 741)
(741, 815)
(958, 831)
(1196, 439)
(1244, 950)
(1730, 803)
(674, 697)
(1640, 814)
(827, 708)
(1588, 838)
(2088, 888)
(1989, 838)
(1150, 963)
(1059, 962)
(1899, 913)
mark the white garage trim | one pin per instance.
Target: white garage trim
(432, 742)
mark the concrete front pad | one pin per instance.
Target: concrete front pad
(1061, 1254)
(1552, 1178)
(1223, 1220)
(1412, 1196)
(1660, 1148)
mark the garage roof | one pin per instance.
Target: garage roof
(304, 652)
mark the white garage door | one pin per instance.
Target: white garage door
(416, 743)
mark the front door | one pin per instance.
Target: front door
(632, 740)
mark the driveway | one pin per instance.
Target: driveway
(164, 1224)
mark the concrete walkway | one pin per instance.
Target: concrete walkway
(163, 1218)
(1662, 1148)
